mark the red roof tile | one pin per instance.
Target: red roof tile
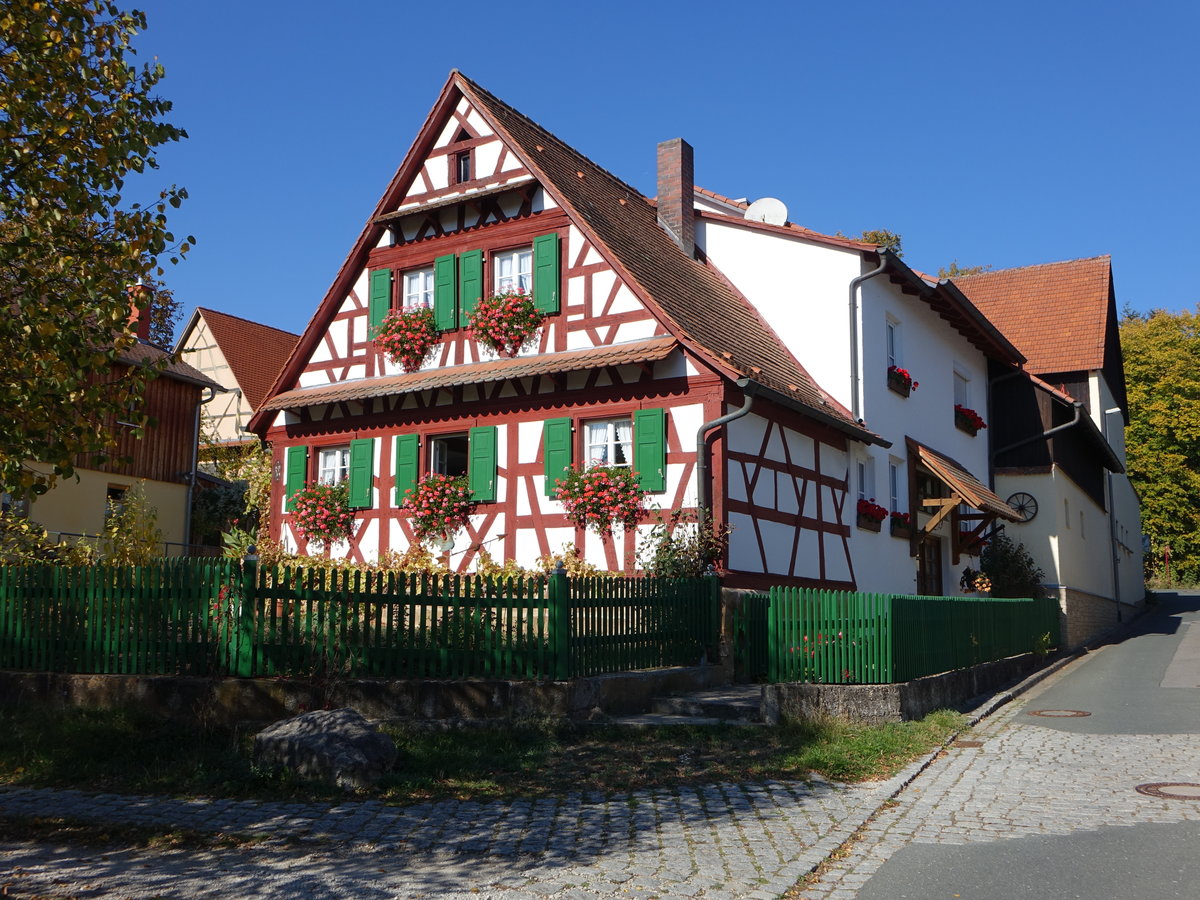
(1057, 314)
(255, 352)
(477, 373)
(143, 353)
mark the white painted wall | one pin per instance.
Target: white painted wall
(801, 288)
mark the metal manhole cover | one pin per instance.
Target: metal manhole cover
(1059, 713)
(1171, 790)
(969, 745)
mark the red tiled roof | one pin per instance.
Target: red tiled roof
(255, 352)
(695, 301)
(1055, 313)
(477, 373)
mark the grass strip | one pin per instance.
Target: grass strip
(128, 751)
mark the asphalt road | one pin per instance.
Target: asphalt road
(1048, 806)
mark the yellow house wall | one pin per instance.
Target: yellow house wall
(77, 507)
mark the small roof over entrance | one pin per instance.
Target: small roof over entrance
(964, 489)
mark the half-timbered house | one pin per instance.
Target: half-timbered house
(649, 355)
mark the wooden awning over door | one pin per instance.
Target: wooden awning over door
(964, 490)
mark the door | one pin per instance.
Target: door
(929, 566)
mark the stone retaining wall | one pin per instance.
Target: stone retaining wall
(228, 701)
(878, 703)
(1086, 616)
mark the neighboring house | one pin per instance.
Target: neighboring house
(161, 459)
(1059, 440)
(645, 347)
(850, 312)
(242, 356)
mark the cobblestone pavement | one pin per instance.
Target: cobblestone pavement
(1026, 780)
(719, 841)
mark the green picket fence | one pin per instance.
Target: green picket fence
(839, 637)
(220, 617)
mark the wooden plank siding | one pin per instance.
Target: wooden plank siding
(163, 452)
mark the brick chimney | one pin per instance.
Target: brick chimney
(676, 193)
(140, 299)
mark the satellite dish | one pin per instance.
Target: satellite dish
(768, 210)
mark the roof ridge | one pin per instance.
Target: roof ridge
(1061, 262)
(209, 309)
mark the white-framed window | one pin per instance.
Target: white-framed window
(448, 454)
(894, 492)
(462, 166)
(962, 390)
(609, 443)
(114, 500)
(866, 479)
(514, 270)
(418, 288)
(333, 465)
(892, 335)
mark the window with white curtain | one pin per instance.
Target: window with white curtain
(609, 443)
(418, 288)
(334, 465)
(514, 270)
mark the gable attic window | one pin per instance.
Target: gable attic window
(462, 167)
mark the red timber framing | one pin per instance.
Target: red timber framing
(822, 488)
(520, 516)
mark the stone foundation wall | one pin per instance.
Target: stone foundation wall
(879, 703)
(228, 701)
(1086, 616)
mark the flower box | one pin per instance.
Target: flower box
(506, 323)
(901, 527)
(901, 381)
(870, 514)
(868, 524)
(966, 419)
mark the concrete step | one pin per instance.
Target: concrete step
(734, 703)
(660, 720)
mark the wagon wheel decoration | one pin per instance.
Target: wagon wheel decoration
(1024, 505)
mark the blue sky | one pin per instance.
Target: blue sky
(1004, 134)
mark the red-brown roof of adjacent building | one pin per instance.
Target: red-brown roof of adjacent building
(1057, 314)
(143, 353)
(255, 352)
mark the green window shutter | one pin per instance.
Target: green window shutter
(297, 473)
(380, 302)
(362, 472)
(408, 471)
(556, 450)
(445, 292)
(650, 448)
(545, 273)
(470, 282)
(481, 471)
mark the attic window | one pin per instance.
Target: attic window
(462, 167)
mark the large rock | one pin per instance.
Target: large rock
(336, 745)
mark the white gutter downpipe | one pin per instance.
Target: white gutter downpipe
(855, 363)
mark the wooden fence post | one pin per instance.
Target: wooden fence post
(560, 622)
(245, 619)
(713, 639)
